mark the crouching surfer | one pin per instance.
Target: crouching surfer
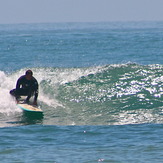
(26, 85)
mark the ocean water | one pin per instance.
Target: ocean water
(100, 89)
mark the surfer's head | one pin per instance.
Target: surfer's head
(28, 74)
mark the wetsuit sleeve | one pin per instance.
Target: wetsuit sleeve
(18, 83)
(36, 89)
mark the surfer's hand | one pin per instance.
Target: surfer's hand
(35, 103)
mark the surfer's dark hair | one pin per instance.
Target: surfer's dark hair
(29, 72)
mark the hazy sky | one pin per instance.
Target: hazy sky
(34, 11)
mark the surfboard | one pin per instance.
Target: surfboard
(29, 108)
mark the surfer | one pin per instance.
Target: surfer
(26, 85)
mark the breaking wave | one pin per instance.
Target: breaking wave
(103, 95)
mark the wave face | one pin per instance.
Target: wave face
(104, 95)
(120, 94)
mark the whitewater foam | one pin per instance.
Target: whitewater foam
(7, 103)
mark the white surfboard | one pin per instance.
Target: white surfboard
(29, 108)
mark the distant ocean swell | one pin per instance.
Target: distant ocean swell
(111, 94)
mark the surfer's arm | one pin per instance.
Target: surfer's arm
(20, 81)
(18, 84)
(35, 98)
(35, 93)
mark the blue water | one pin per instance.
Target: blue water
(100, 87)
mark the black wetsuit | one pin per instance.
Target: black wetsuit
(26, 87)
